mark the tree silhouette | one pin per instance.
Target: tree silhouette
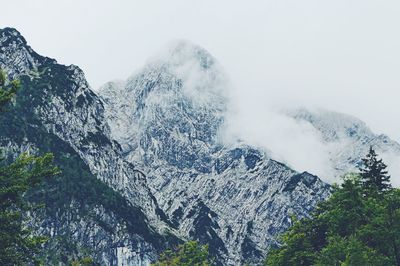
(373, 173)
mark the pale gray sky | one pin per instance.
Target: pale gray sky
(342, 55)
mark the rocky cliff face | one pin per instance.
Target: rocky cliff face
(101, 202)
(167, 119)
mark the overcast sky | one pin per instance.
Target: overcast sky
(342, 55)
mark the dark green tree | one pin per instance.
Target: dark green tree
(188, 254)
(374, 174)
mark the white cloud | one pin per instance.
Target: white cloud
(296, 143)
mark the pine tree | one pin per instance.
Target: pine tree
(373, 173)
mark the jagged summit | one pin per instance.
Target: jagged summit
(17, 57)
(12, 33)
(182, 69)
(183, 87)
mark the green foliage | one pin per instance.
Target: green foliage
(349, 251)
(7, 89)
(187, 254)
(17, 245)
(86, 261)
(358, 225)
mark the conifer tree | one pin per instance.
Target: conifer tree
(373, 173)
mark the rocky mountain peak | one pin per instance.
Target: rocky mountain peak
(183, 72)
(179, 93)
(16, 56)
(167, 119)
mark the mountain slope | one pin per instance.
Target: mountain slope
(167, 119)
(101, 204)
(348, 140)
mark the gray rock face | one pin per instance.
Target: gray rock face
(167, 119)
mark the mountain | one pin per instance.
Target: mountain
(348, 139)
(100, 205)
(167, 119)
(143, 167)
